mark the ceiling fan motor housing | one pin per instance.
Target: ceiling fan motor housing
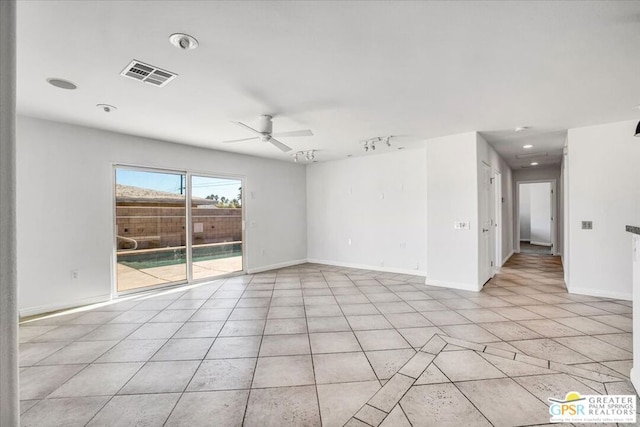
(266, 125)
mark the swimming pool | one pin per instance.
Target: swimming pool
(172, 256)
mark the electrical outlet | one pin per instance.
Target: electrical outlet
(74, 274)
(587, 225)
(462, 225)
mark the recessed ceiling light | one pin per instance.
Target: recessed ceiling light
(636, 107)
(183, 41)
(62, 84)
(528, 146)
(106, 107)
(521, 128)
(534, 163)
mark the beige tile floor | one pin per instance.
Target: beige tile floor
(316, 345)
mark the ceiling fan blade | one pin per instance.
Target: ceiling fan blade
(280, 145)
(306, 132)
(240, 140)
(248, 128)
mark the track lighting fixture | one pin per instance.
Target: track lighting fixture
(309, 155)
(371, 142)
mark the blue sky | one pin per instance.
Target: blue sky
(202, 186)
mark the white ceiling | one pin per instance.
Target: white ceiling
(347, 70)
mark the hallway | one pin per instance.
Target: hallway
(528, 248)
(321, 345)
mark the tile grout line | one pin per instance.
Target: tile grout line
(145, 364)
(205, 354)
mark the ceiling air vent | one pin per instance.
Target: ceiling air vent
(531, 155)
(148, 73)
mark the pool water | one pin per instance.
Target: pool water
(174, 256)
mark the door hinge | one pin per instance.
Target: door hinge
(491, 180)
(491, 263)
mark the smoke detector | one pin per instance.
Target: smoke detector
(106, 108)
(146, 73)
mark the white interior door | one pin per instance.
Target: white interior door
(497, 223)
(487, 229)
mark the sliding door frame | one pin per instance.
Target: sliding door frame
(191, 174)
(188, 227)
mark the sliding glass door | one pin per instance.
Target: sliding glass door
(154, 246)
(216, 231)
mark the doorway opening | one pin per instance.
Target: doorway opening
(536, 218)
(174, 227)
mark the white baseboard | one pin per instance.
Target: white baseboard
(453, 285)
(533, 242)
(275, 266)
(32, 311)
(368, 267)
(504, 261)
(600, 293)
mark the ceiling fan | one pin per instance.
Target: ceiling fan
(265, 133)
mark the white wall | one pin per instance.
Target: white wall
(452, 192)
(604, 187)
(525, 213)
(369, 211)
(540, 205)
(453, 168)
(65, 207)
